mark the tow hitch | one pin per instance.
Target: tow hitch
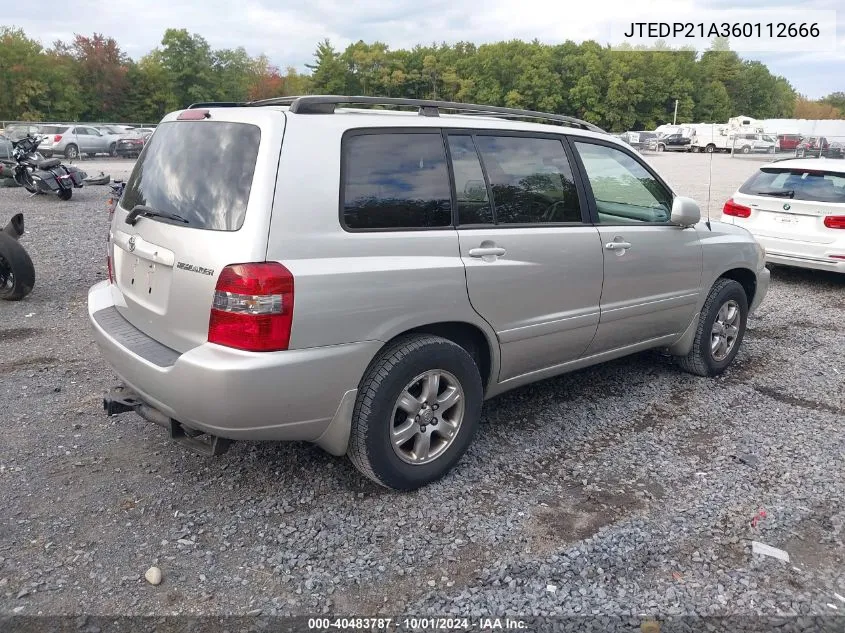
(121, 399)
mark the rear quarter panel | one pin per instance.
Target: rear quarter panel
(356, 286)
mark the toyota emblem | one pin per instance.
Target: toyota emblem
(132, 244)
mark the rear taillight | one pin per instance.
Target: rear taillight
(736, 210)
(253, 307)
(57, 138)
(835, 221)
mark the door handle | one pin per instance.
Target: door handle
(487, 251)
(618, 246)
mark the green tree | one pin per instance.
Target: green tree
(189, 64)
(328, 70)
(837, 100)
(232, 70)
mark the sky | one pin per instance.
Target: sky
(288, 32)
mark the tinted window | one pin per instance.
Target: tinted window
(200, 170)
(623, 189)
(470, 188)
(531, 180)
(396, 180)
(797, 184)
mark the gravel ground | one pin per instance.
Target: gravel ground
(620, 490)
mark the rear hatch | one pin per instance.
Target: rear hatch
(212, 180)
(790, 203)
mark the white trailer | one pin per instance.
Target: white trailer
(710, 137)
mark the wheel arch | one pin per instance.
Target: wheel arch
(469, 336)
(745, 278)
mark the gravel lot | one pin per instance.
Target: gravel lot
(624, 489)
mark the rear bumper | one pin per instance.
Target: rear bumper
(291, 395)
(804, 254)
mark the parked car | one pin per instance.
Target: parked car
(796, 209)
(113, 133)
(130, 144)
(5, 148)
(748, 143)
(17, 131)
(73, 140)
(788, 142)
(675, 142)
(819, 146)
(292, 271)
(640, 139)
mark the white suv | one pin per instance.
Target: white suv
(363, 279)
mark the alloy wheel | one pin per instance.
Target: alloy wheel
(427, 416)
(725, 330)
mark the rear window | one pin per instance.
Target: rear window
(797, 184)
(199, 170)
(53, 129)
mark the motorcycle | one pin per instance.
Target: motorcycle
(43, 176)
(17, 274)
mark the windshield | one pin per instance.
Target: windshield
(200, 170)
(797, 184)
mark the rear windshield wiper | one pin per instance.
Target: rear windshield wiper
(786, 193)
(139, 210)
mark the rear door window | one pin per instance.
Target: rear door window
(797, 184)
(531, 180)
(395, 180)
(199, 170)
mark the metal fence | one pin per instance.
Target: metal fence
(6, 124)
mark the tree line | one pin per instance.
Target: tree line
(91, 79)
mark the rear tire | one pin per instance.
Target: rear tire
(746, 150)
(65, 194)
(71, 151)
(378, 419)
(113, 150)
(710, 148)
(17, 274)
(707, 356)
(661, 148)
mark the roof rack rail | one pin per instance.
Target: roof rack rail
(325, 104)
(214, 104)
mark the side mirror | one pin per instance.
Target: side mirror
(685, 212)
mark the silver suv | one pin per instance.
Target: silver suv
(297, 269)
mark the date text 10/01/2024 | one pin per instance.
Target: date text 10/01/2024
(723, 29)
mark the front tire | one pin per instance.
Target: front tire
(17, 274)
(417, 411)
(65, 194)
(721, 328)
